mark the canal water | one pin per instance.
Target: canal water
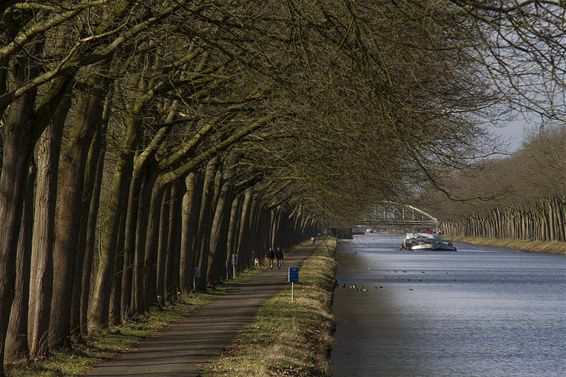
(480, 311)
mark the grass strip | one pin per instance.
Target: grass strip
(554, 247)
(104, 345)
(288, 339)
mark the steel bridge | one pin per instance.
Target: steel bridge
(390, 213)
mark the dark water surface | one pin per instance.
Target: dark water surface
(480, 311)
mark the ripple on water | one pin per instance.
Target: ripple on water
(477, 312)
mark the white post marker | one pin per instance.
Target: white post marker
(293, 277)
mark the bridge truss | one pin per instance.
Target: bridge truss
(390, 213)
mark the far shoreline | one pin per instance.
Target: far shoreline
(551, 247)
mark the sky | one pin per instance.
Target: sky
(513, 133)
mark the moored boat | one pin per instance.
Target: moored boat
(426, 241)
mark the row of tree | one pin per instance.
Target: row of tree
(542, 220)
(144, 139)
(535, 171)
(120, 172)
(516, 197)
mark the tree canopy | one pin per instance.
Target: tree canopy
(171, 134)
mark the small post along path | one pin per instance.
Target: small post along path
(182, 348)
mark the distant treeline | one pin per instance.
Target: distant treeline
(540, 220)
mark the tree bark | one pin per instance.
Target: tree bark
(216, 231)
(138, 294)
(142, 164)
(117, 195)
(162, 247)
(17, 140)
(90, 239)
(193, 199)
(202, 247)
(244, 226)
(174, 242)
(185, 251)
(68, 216)
(43, 239)
(16, 342)
(231, 238)
(91, 181)
(132, 215)
(151, 245)
(116, 291)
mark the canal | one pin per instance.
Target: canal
(479, 311)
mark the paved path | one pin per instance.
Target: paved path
(181, 349)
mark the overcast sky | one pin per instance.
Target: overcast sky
(515, 131)
(512, 134)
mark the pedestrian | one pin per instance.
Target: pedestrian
(313, 240)
(279, 256)
(255, 259)
(270, 256)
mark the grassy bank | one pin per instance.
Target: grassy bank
(288, 339)
(554, 247)
(104, 345)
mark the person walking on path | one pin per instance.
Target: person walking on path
(279, 256)
(270, 255)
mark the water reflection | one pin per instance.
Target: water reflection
(477, 312)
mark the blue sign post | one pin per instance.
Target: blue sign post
(234, 263)
(293, 278)
(196, 275)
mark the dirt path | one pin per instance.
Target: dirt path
(181, 349)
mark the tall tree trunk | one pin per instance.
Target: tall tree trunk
(184, 256)
(231, 238)
(87, 217)
(15, 159)
(151, 245)
(222, 252)
(142, 164)
(117, 195)
(203, 223)
(43, 239)
(255, 228)
(138, 294)
(174, 242)
(12, 187)
(90, 239)
(68, 216)
(162, 247)
(16, 342)
(132, 214)
(119, 216)
(216, 230)
(244, 226)
(191, 209)
(116, 291)
(275, 213)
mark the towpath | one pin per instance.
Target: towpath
(182, 348)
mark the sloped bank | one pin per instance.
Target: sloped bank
(554, 247)
(288, 339)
